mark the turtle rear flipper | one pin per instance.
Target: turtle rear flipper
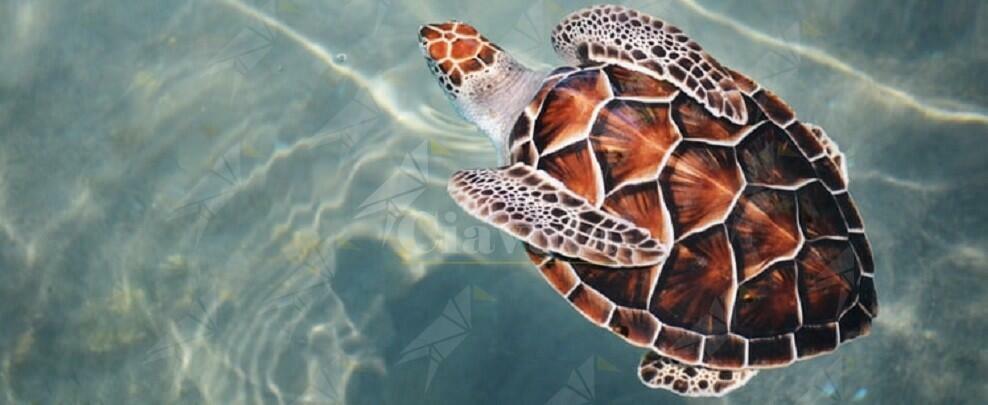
(538, 209)
(657, 371)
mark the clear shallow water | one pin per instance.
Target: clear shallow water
(244, 202)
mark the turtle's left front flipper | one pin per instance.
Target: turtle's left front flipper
(540, 210)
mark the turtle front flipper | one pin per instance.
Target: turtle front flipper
(541, 211)
(657, 371)
(616, 34)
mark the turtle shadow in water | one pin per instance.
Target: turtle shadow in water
(469, 333)
(443, 321)
(428, 321)
(368, 277)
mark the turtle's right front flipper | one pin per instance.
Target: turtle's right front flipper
(607, 34)
(540, 210)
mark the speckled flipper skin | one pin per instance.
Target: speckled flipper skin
(616, 34)
(539, 210)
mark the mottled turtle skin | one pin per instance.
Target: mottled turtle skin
(768, 259)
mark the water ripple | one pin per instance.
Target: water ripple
(825, 59)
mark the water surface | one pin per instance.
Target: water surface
(244, 202)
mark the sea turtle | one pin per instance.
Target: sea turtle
(668, 197)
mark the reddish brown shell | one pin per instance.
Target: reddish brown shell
(768, 258)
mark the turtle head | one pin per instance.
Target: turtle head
(457, 55)
(486, 85)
